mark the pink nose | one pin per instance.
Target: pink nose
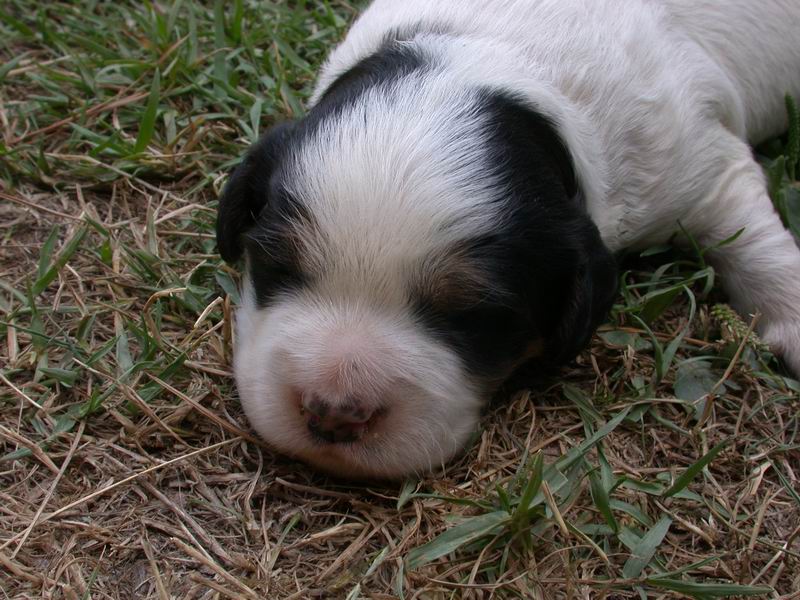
(335, 422)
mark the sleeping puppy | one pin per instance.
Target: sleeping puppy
(448, 209)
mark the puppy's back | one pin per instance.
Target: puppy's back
(756, 44)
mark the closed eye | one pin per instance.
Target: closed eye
(489, 337)
(498, 326)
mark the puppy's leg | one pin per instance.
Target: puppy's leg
(761, 269)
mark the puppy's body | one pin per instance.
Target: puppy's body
(424, 230)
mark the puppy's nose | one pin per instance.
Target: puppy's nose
(335, 422)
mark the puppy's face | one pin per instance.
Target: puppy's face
(406, 247)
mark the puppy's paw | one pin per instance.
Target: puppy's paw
(783, 338)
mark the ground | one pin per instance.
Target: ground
(664, 462)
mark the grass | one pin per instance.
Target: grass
(664, 462)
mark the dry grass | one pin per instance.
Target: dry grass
(127, 468)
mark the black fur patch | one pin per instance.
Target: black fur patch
(274, 262)
(556, 276)
(387, 66)
(255, 212)
(249, 190)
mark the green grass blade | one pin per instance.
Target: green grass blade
(124, 359)
(399, 581)
(193, 42)
(220, 43)
(655, 303)
(582, 401)
(708, 590)
(46, 252)
(631, 510)
(255, 118)
(236, 22)
(687, 568)
(406, 492)
(503, 498)
(172, 15)
(63, 376)
(531, 488)
(602, 501)
(658, 349)
(691, 472)
(51, 273)
(470, 530)
(672, 348)
(148, 126)
(775, 178)
(578, 451)
(16, 24)
(793, 144)
(644, 551)
(787, 485)
(11, 64)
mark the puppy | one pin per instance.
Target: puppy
(449, 207)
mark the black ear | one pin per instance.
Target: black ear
(590, 295)
(247, 191)
(571, 276)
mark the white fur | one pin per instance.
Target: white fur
(335, 349)
(656, 98)
(656, 101)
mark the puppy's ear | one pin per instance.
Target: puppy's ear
(590, 296)
(571, 276)
(247, 191)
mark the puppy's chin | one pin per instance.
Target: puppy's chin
(408, 449)
(397, 445)
(419, 407)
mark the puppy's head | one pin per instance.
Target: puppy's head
(406, 246)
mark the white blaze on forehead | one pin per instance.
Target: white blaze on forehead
(391, 178)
